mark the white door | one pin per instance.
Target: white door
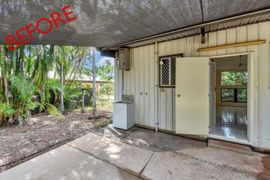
(192, 96)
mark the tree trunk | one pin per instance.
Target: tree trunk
(2, 73)
(94, 113)
(4, 69)
(83, 111)
(6, 89)
(62, 87)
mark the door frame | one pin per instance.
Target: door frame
(250, 103)
(215, 96)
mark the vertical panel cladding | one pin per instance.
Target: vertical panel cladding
(204, 54)
(144, 78)
(142, 85)
(222, 40)
(189, 47)
(264, 84)
(168, 49)
(213, 42)
(231, 39)
(252, 36)
(182, 46)
(132, 73)
(161, 49)
(146, 61)
(163, 109)
(176, 47)
(152, 87)
(173, 110)
(137, 84)
(241, 37)
(169, 109)
(196, 46)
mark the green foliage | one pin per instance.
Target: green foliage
(25, 85)
(106, 71)
(104, 123)
(107, 89)
(71, 96)
(54, 111)
(6, 111)
(54, 85)
(234, 78)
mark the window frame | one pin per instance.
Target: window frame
(221, 76)
(235, 95)
(159, 69)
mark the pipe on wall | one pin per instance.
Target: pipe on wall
(157, 87)
(269, 65)
(123, 84)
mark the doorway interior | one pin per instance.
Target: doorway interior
(229, 79)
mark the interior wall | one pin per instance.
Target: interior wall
(153, 103)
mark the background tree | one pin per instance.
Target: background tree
(106, 71)
(94, 112)
(108, 89)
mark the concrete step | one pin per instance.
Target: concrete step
(230, 146)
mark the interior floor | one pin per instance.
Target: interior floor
(231, 122)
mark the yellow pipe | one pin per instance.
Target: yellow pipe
(232, 45)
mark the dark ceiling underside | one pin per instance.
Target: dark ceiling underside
(103, 23)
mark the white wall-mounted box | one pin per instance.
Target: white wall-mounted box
(124, 59)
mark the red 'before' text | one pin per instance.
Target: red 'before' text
(29, 29)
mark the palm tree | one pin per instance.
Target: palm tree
(25, 77)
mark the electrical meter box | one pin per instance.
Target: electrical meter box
(123, 59)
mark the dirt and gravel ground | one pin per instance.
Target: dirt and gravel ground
(42, 134)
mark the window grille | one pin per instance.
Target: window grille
(167, 72)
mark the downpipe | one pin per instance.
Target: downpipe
(157, 87)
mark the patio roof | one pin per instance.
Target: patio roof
(110, 22)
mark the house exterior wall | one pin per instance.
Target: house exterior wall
(154, 103)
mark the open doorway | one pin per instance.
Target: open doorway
(229, 77)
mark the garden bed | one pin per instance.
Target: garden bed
(42, 134)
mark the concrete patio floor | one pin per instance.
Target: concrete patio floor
(114, 154)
